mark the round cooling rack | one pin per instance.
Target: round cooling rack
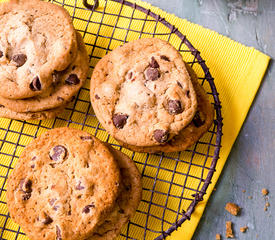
(173, 183)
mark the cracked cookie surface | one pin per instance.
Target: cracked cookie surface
(142, 94)
(37, 38)
(65, 183)
(66, 85)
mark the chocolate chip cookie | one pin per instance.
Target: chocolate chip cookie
(40, 115)
(37, 38)
(126, 203)
(66, 84)
(200, 124)
(142, 93)
(65, 183)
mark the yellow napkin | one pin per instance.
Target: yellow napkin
(237, 70)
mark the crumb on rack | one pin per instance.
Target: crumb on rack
(232, 208)
(243, 190)
(249, 197)
(265, 191)
(243, 229)
(229, 231)
(218, 236)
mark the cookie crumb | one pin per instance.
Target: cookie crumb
(232, 208)
(265, 191)
(214, 189)
(265, 209)
(267, 204)
(243, 229)
(218, 236)
(249, 197)
(243, 190)
(229, 231)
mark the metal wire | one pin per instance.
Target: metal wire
(157, 217)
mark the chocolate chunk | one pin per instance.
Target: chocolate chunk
(58, 153)
(86, 138)
(179, 84)
(79, 186)
(97, 97)
(72, 80)
(165, 58)
(174, 107)
(1, 54)
(33, 166)
(120, 120)
(161, 136)
(188, 93)
(19, 59)
(47, 220)
(154, 63)
(35, 85)
(197, 120)
(152, 74)
(2, 106)
(121, 211)
(26, 186)
(86, 209)
(58, 233)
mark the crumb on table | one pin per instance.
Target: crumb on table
(243, 229)
(243, 190)
(265, 191)
(249, 197)
(229, 231)
(218, 236)
(232, 208)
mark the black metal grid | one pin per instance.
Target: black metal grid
(173, 183)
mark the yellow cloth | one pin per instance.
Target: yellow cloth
(237, 70)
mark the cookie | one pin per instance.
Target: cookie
(67, 83)
(127, 202)
(37, 38)
(41, 115)
(65, 183)
(142, 94)
(193, 132)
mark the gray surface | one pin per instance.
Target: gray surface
(251, 165)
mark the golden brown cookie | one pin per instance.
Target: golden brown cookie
(142, 94)
(65, 183)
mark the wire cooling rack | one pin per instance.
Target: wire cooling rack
(173, 183)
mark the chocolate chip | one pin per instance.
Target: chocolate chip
(86, 138)
(152, 74)
(19, 59)
(72, 80)
(2, 106)
(188, 93)
(58, 153)
(121, 211)
(1, 54)
(97, 97)
(197, 120)
(120, 120)
(154, 63)
(161, 136)
(33, 166)
(130, 75)
(79, 187)
(179, 84)
(174, 107)
(61, 99)
(165, 58)
(73, 68)
(26, 186)
(86, 209)
(26, 196)
(35, 85)
(47, 220)
(58, 233)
